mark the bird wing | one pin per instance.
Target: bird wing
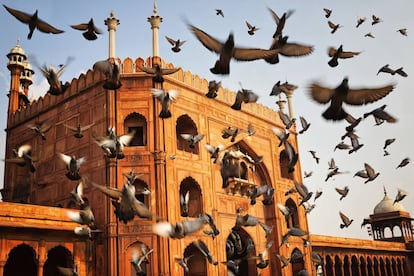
(344, 218)
(163, 229)
(81, 27)
(249, 25)
(71, 127)
(19, 15)
(331, 51)
(173, 94)
(170, 40)
(367, 95)
(348, 54)
(331, 24)
(192, 226)
(65, 158)
(247, 54)
(187, 137)
(370, 171)
(321, 94)
(126, 138)
(104, 66)
(301, 189)
(158, 93)
(295, 50)
(208, 41)
(23, 149)
(169, 71)
(340, 191)
(86, 127)
(45, 27)
(109, 191)
(274, 15)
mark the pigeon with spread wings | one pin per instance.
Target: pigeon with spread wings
(90, 29)
(227, 51)
(343, 94)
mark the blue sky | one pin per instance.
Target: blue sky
(307, 25)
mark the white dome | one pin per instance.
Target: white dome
(387, 205)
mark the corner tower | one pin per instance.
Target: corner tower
(17, 64)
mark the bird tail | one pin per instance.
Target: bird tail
(333, 62)
(333, 114)
(90, 35)
(342, 226)
(236, 105)
(165, 114)
(273, 59)
(220, 68)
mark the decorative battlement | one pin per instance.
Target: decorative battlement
(130, 67)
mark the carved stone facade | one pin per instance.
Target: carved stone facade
(169, 168)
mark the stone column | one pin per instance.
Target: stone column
(112, 23)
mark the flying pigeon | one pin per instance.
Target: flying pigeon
(84, 216)
(77, 193)
(90, 29)
(284, 210)
(386, 69)
(244, 220)
(265, 190)
(180, 229)
(113, 145)
(328, 12)
(303, 192)
(342, 146)
(219, 12)
(400, 196)
(79, 129)
(40, 129)
(192, 139)
(307, 174)
(165, 98)
(158, 72)
(138, 260)
(33, 21)
(360, 20)
(72, 165)
(176, 44)
(52, 75)
(343, 192)
(318, 194)
(355, 144)
(336, 54)
(214, 151)
(213, 87)
(284, 261)
(369, 173)
(110, 68)
(380, 115)
(369, 35)
(334, 27)
(331, 164)
(293, 231)
(403, 31)
(375, 19)
(286, 120)
(205, 251)
(230, 132)
(251, 29)
(342, 94)
(313, 153)
(246, 96)
(227, 51)
(23, 157)
(345, 220)
(304, 123)
(280, 22)
(403, 163)
(183, 262)
(287, 49)
(292, 155)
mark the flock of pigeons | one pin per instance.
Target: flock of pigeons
(127, 206)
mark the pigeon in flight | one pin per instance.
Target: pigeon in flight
(328, 12)
(342, 146)
(113, 145)
(344, 94)
(404, 163)
(230, 132)
(360, 20)
(293, 156)
(246, 96)
(227, 51)
(79, 129)
(90, 29)
(213, 87)
(346, 221)
(343, 192)
(287, 49)
(380, 115)
(205, 251)
(401, 194)
(180, 229)
(40, 129)
(375, 20)
(369, 173)
(282, 135)
(313, 153)
(192, 139)
(138, 260)
(286, 120)
(183, 262)
(403, 31)
(165, 98)
(214, 151)
(219, 12)
(386, 69)
(175, 43)
(303, 192)
(23, 157)
(304, 123)
(334, 27)
(336, 54)
(33, 21)
(110, 68)
(56, 87)
(72, 165)
(251, 29)
(369, 35)
(158, 72)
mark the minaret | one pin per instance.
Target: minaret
(26, 77)
(289, 93)
(155, 21)
(17, 62)
(112, 22)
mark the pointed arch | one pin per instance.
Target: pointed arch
(237, 249)
(197, 264)
(21, 261)
(186, 125)
(136, 247)
(346, 265)
(293, 219)
(329, 268)
(284, 165)
(57, 256)
(297, 261)
(195, 202)
(338, 266)
(137, 123)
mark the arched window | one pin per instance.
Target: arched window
(140, 188)
(284, 165)
(387, 232)
(138, 248)
(376, 266)
(58, 256)
(194, 207)
(240, 246)
(397, 231)
(346, 266)
(21, 261)
(382, 266)
(369, 266)
(297, 261)
(338, 266)
(329, 270)
(137, 123)
(185, 125)
(293, 219)
(197, 265)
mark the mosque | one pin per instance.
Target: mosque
(37, 237)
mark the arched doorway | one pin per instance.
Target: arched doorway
(58, 256)
(197, 265)
(21, 261)
(195, 202)
(239, 248)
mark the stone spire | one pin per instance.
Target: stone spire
(112, 23)
(17, 63)
(155, 21)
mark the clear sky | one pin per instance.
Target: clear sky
(307, 25)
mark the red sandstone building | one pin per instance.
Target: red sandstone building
(36, 237)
